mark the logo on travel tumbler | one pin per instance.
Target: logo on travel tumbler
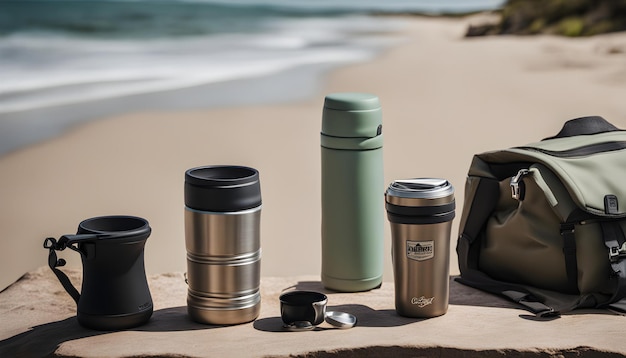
(420, 250)
(422, 302)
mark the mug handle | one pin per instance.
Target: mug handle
(320, 312)
(64, 242)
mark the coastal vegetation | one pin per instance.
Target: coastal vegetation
(571, 18)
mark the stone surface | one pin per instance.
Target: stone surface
(38, 319)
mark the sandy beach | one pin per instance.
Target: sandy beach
(444, 99)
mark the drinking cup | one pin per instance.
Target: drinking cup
(114, 293)
(420, 212)
(303, 306)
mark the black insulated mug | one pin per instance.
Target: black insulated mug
(115, 293)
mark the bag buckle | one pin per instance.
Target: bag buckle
(516, 190)
(616, 251)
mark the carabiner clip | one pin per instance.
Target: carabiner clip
(517, 189)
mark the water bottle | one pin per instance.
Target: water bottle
(352, 187)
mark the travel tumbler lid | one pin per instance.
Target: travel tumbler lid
(421, 188)
(222, 188)
(352, 115)
(420, 201)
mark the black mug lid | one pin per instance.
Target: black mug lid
(222, 188)
(116, 227)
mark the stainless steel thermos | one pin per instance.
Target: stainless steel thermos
(222, 236)
(352, 180)
(420, 212)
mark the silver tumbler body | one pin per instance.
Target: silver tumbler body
(223, 260)
(420, 212)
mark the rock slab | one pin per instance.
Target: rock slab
(38, 320)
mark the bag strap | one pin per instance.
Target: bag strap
(585, 126)
(619, 306)
(615, 241)
(52, 244)
(569, 253)
(512, 292)
(488, 191)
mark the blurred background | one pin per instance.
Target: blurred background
(104, 104)
(85, 54)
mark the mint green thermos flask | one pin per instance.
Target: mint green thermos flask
(352, 187)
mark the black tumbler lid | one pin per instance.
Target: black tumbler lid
(222, 188)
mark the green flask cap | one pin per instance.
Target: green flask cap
(352, 121)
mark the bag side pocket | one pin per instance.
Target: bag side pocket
(523, 242)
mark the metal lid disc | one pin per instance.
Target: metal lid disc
(340, 320)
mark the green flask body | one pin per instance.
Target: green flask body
(352, 186)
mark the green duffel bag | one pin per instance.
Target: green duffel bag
(544, 224)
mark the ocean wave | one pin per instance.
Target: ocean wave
(42, 70)
(88, 86)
